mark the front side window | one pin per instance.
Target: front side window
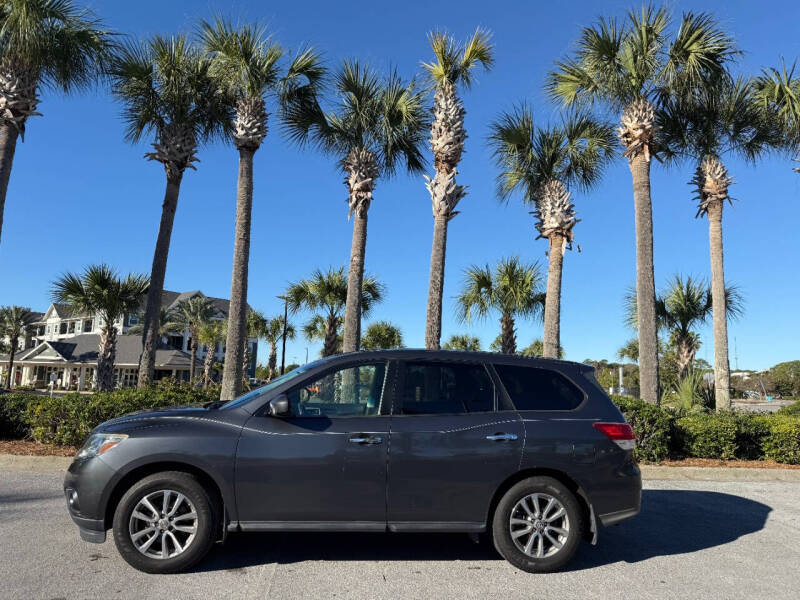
(532, 388)
(446, 388)
(348, 392)
(63, 328)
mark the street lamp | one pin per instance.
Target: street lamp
(285, 325)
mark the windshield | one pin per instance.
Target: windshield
(252, 395)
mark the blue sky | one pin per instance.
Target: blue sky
(80, 194)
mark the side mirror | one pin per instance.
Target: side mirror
(279, 406)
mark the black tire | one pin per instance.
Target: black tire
(501, 530)
(205, 506)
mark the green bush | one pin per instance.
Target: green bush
(792, 409)
(751, 431)
(707, 435)
(652, 425)
(783, 442)
(13, 420)
(68, 419)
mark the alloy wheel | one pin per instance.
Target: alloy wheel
(163, 524)
(539, 525)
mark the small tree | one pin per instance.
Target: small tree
(382, 335)
(272, 334)
(465, 342)
(14, 323)
(192, 314)
(512, 289)
(99, 290)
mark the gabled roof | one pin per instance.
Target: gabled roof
(84, 348)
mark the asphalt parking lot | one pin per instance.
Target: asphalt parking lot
(694, 539)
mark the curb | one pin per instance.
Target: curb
(34, 464)
(656, 472)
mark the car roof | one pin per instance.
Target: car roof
(490, 357)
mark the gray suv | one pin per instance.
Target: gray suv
(530, 451)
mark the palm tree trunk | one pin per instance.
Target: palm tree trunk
(718, 309)
(208, 363)
(552, 302)
(193, 348)
(8, 146)
(106, 358)
(329, 348)
(237, 316)
(355, 277)
(508, 338)
(273, 360)
(246, 365)
(685, 356)
(11, 353)
(645, 280)
(433, 321)
(150, 337)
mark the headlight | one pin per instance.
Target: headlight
(99, 443)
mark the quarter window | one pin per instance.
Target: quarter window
(446, 388)
(539, 389)
(349, 392)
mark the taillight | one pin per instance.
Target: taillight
(619, 433)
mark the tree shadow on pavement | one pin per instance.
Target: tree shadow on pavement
(671, 522)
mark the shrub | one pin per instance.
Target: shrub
(792, 409)
(751, 431)
(13, 420)
(68, 419)
(652, 425)
(707, 435)
(783, 442)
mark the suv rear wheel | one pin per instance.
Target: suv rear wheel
(165, 522)
(537, 525)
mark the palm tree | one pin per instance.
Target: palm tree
(255, 326)
(630, 68)
(100, 290)
(468, 343)
(167, 88)
(382, 335)
(513, 289)
(272, 334)
(14, 322)
(210, 333)
(377, 124)
(191, 314)
(536, 348)
(684, 305)
(778, 91)
(166, 324)
(718, 120)
(245, 62)
(325, 293)
(452, 67)
(43, 44)
(541, 164)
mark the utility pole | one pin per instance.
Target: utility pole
(285, 325)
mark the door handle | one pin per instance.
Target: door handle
(501, 437)
(366, 439)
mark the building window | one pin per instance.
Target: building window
(87, 325)
(40, 330)
(133, 320)
(72, 326)
(63, 328)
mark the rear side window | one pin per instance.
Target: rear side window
(446, 388)
(539, 389)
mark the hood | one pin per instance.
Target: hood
(147, 417)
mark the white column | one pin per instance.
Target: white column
(81, 378)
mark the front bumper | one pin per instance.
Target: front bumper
(85, 486)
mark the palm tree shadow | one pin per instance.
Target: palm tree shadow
(671, 522)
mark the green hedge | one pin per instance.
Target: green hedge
(67, 419)
(792, 409)
(783, 442)
(652, 425)
(13, 422)
(663, 433)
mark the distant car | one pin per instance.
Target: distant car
(529, 450)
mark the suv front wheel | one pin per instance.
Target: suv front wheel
(165, 522)
(537, 525)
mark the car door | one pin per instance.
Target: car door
(451, 446)
(323, 465)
